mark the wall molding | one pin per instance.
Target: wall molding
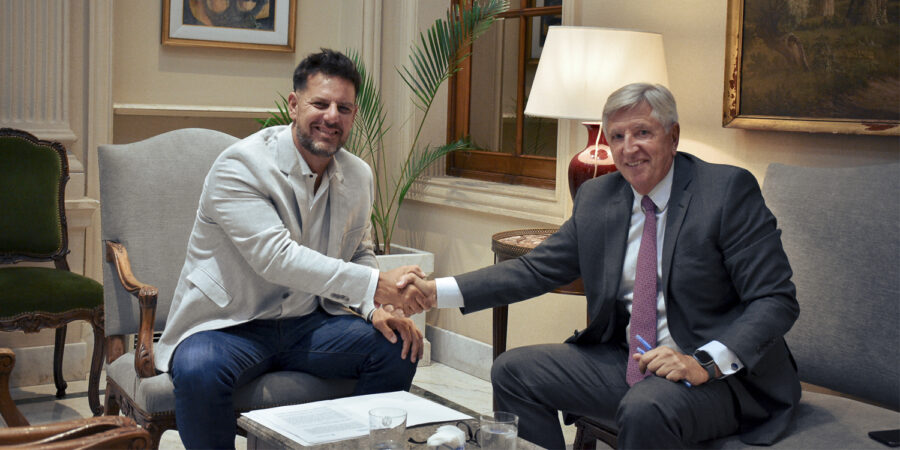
(143, 109)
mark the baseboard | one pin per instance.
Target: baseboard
(34, 365)
(460, 352)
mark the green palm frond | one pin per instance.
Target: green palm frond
(369, 128)
(421, 159)
(282, 117)
(444, 46)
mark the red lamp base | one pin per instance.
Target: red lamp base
(593, 161)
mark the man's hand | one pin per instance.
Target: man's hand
(672, 365)
(428, 288)
(410, 300)
(387, 321)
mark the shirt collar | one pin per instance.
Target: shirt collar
(660, 193)
(331, 170)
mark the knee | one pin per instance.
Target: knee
(388, 355)
(642, 409)
(507, 369)
(195, 367)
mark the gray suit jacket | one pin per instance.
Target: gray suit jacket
(245, 256)
(725, 275)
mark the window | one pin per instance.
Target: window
(487, 101)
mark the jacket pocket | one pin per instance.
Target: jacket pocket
(210, 287)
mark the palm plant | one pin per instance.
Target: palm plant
(435, 57)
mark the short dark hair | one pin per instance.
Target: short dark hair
(327, 62)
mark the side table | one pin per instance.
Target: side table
(510, 245)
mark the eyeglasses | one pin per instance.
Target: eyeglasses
(471, 436)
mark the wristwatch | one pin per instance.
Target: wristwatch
(707, 362)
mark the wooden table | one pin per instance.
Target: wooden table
(510, 245)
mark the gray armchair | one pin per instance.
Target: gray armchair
(149, 192)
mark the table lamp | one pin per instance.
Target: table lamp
(578, 69)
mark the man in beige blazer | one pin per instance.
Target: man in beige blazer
(280, 272)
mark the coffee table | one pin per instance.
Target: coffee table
(261, 437)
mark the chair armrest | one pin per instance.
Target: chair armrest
(146, 294)
(8, 408)
(93, 432)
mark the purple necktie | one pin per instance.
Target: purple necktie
(643, 306)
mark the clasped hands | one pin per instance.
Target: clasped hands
(406, 289)
(401, 293)
(671, 365)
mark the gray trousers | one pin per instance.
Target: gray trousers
(536, 382)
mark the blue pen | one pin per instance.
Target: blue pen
(648, 347)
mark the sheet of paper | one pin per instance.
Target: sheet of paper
(348, 418)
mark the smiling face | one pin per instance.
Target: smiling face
(323, 114)
(641, 147)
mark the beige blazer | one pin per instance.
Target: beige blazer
(244, 255)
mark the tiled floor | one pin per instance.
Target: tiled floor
(39, 405)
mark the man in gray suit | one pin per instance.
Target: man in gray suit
(680, 251)
(280, 272)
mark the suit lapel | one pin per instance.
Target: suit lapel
(678, 206)
(288, 160)
(616, 217)
(338, 203)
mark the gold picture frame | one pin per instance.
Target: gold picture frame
(249, 25)
(756, 50)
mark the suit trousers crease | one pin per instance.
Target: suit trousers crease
(536, 382)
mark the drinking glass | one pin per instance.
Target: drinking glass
(498, 431)
(387, 428)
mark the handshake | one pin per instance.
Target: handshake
(406, 288)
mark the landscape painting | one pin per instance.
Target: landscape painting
(814, 65)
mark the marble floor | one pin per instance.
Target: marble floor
(38, 404)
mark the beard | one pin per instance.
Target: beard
(317, 149)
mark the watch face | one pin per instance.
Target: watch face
(703, 357)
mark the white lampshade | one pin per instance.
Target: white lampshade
(581, 66)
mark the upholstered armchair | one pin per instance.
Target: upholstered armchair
(33, 176)
(149, 192)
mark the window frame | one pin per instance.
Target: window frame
(509, 168)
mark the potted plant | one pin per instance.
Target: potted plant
(435, 57)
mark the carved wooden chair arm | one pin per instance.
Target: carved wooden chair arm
(146, 294)
(8, 409)
(93, 432)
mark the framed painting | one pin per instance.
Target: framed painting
(540, 26)
(825, 66)
(244, 24)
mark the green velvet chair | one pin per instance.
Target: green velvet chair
(33, 176)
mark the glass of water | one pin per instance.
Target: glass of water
(498, 431)
(387, 428)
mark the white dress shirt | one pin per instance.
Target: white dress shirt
(449, 295)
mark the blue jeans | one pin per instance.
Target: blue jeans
(208, 366)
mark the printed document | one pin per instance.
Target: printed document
(348, 417)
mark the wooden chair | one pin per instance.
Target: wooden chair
(33, 176)
(150, 191)
(94, 432)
